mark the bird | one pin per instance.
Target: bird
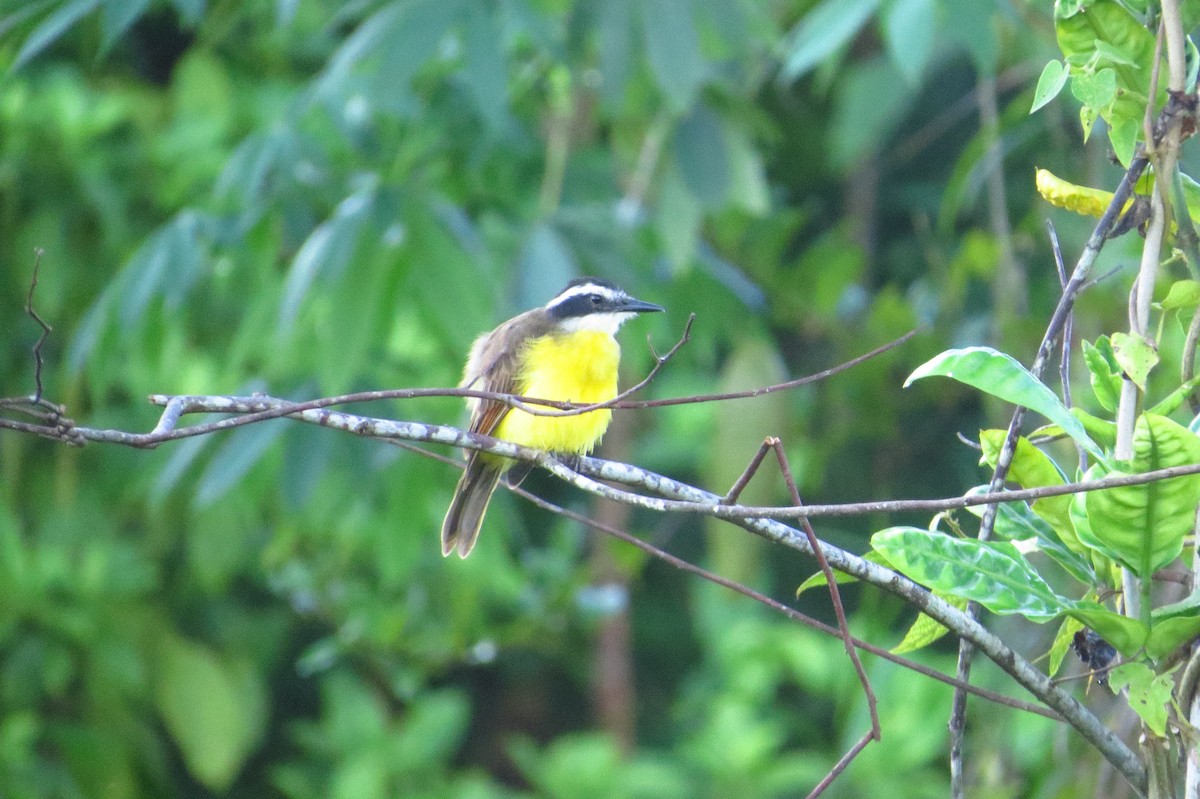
(565, 351)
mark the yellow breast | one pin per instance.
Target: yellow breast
(571, 367)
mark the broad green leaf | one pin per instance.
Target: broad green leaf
(326, 252)
(1104, 372)
(1149, 694)
(1102, 431)
(1050, 83)
(925, 630)
(908, 29)
(1182, 294)
(702, 156)
(993, 574)
(204, 706)
(1016, 521)
(1062, 642)
(1144, 525)
(872, 99)
(1079, 518)
(1127, 635)
(673, 49)
(678, 219)
(822, 31)
(1135, 356)
(1168, 635)
(1001, 376)
(1032, 468)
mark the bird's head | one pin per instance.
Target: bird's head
(590, 303)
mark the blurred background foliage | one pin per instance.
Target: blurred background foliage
(309, 197)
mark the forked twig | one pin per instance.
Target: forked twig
(839, 611)
(46, 329)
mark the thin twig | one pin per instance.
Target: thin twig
(840, 766)
(750, 593)
(690, 498)
(46, 329)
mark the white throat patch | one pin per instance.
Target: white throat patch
(595, 322)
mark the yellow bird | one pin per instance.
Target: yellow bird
(565, 351)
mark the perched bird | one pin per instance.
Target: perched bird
(565, 351)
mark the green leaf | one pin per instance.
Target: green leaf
(1123, 133)
(1062, 642)
(1149, 694)
(673, 49)
(1053, 78)
(1095, 89)
(1168, 635)
(204, 706)
(326, 252)
(51, 28)
(1127, 51)
(1032, 468)
(1182, 294)
(1104, 372)
(908, 29)
(678, 219)
(1127, 635)
(1135, 356)
(825, 29)
(925, 630)
(993, 574)
(1144, 525)
(1017, 522)
(1168, 404)
(1001, 376)
(702, 157)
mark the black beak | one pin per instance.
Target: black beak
(631, 305)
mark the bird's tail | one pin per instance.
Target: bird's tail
(471, 496)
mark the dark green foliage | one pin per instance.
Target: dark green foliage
(308, 198)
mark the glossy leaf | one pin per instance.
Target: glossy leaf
(1062, 643)
(1001, 376)
(1032, 468)
(1017, 522)
(1127, 635)
(993, 574)
(1103, 371)
(925, 630)
(1144, 525)
(1167, 635)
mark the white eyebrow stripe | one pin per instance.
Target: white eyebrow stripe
(583, 288)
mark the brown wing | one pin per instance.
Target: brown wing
(493, 366)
